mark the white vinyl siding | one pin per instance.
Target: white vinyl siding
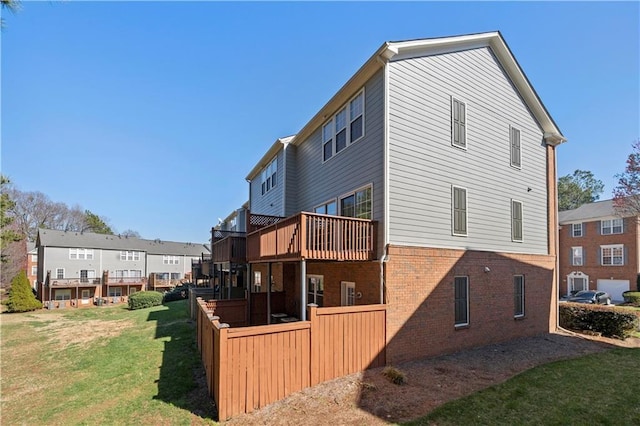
(423, 166)
(268, 177)
(514, 143)
(516, 221)
(458, 123)
(459, 210)
(130, 256)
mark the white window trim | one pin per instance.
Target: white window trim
(611, 226)
(514, 165)
(573, 231)
(521, 240)
(522, 298)
(85, 292)
(315, 294)
(129, 256)
(113, 289)
(63, 274)
(349, 194)
(344, 293)
(266, 176)
(612, 247)
(572, 276)
(453, 214)
(333, 200)
(347, 107)
(573, 257)
(87, 254)
(467, 300)
(64, 292)
(466, 121)
(168, 259)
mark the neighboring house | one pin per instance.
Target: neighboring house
(80, 267)
(598, 250)
(426, 183)
(32, 265)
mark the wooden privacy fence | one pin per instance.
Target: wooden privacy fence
(250, 367)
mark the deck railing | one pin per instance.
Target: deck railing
(231, 248)
(126, 280)
(314, 236)
(67, 282)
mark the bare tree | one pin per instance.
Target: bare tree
(626, 196)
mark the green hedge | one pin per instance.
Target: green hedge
(21, 298)
(632, 297)
(145, 299)
(611, 322)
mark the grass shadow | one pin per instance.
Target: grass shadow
(181, 380)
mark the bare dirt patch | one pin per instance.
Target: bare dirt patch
(370, 398)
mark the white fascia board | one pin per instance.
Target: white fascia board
(278, 145)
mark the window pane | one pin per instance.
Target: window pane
(461, 300)
(459, 211)
(356, 106)
(341, 140)
(356, 129)
(328, 150)
(363, 204)
(347, 206)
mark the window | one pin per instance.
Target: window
(130, 255)
(80, 254)
(459, 210)
(461, 289)
(115, 291)
(170, 260)
(315, 289)
(357, 204)
(60, 273)
(85, 294)
(34, 270)
(132, 290)
(518, 296)
(87, 275)
(175, 275)
(516, 155)
(348, 293)
(62, 294)
(345, 128)
(576, 229)
(611, 226)
(330, 207)
(576, 256)
(34, 257)
(612, 255)
(458, 124)
(268, 176)
(516, 221)
(257, 281)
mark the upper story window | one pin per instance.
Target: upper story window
(516, 155)
(268, 176)
(170, 260)
(576, 256)
(345, 128)
(80, 254)
(612, 255)
(129, 255)
(60, 273)
(516, 221)
(611, 226)
(576, 229)
(330, 207)
(357, 204)
(458, 123)
(34, 257)
(459, 210)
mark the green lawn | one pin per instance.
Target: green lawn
(602, 389)
(102, 366)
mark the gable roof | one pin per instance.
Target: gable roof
(278, 145)
(586, 212)
(53, 238)
(398, 50)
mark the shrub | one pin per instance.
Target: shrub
(610, 322)
(394, 375)
(144, 299)
(21, 297)
(632, 297)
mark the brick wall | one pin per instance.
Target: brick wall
(590, 243)
(420, 298)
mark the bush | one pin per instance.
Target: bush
(21, 297)
(394, 375)
(144, 299)
(610, 322)
(632, 297)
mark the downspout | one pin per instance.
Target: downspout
(384, 259)
(384, 60)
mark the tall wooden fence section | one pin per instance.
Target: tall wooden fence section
(250, 367)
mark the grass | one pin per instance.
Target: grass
(102, 366)
(598, 389)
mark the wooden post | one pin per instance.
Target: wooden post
(303, 290)
(314, 359)
(269, 294)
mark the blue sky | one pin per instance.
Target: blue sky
(153, 113)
